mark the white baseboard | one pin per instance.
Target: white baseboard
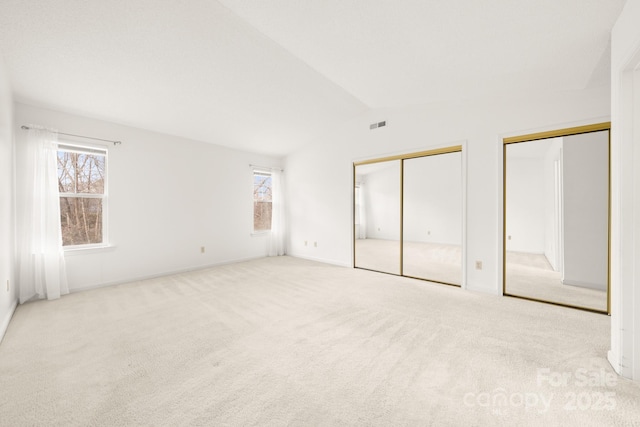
(614, 361)
(483, 289)
(596, 286)
(322, 260)
(7, 318)
(162, 274)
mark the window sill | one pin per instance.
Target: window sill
(261, 233)
(86, 250)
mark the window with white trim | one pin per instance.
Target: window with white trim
(82, 184)
(262, 198)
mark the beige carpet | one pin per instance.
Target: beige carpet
(429, 261)
(530, 275)
(378, 254)
(283, 341)
(436, 262)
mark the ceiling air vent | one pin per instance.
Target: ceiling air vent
(377, 125)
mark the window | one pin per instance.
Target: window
(262, 198)
(82, 183)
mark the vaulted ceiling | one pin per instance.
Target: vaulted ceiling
(267, 75)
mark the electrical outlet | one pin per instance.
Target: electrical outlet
(508, 237)
(305, 243)
(429, 233)
(7, 285)
(478, 265)
(315, 244)
(202, 249)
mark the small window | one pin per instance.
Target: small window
(262, 198)
(82, 184)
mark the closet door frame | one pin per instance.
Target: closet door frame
(577, 130)
(402, 158)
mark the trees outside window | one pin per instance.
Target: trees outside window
(82, 184)
(262, 201)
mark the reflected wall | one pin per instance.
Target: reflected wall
(377, 216)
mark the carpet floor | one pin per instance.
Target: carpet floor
(283, 341)
(528, 275)
(430, 261)
(531, 275)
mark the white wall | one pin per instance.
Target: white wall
(532, 222)
(321, 209)
(586, 199)
(168, 196)
(382, 201)
(433, 199)
(8, 298)
(525, 203)
(625, 198)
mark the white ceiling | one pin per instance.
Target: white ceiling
(267, 75)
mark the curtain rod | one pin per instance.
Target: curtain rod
(266, 167)
(81, 136)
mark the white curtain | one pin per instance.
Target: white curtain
(40, 257)
(278, 226)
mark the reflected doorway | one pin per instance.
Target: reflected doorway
(556, 217)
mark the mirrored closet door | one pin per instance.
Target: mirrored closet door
(408, 215)
(556, 217)
(432, 218)
(377, 216)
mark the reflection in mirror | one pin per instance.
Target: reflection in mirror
(377, 216)
(557, 219)
(432, 218)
